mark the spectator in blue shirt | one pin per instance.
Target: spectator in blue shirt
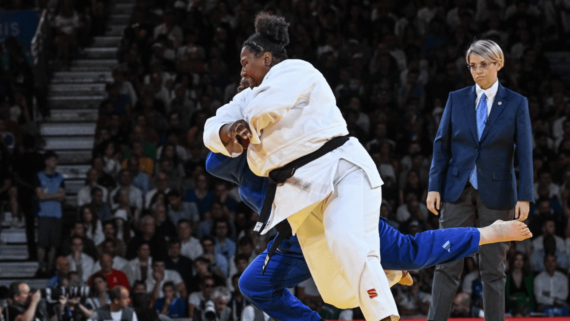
(121, 102)
(61, 271)
(140, 178)
(50, 192)
(170, 305)
(200, 194)
(224, 245)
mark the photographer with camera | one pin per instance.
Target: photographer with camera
(26, 304)
(217, 307)
(118, 309)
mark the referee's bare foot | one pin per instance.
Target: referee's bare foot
(502, 231)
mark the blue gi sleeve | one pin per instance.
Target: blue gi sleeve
(406, 252)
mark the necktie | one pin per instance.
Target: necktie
(481, 121)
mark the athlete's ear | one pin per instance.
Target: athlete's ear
(267, 58)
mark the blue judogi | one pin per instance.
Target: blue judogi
(288, 268)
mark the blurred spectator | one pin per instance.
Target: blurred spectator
(177, 262)
(178, 210)
(143, 309)
(224, 245)
(201, 266)
(99, 293)
(78, 229)
(163, 224)
(93, 227)
(549, 248)
(84, 194)
(197, 299)
(220, 298)
(550, 286)
(134, 195)
(548, 228)
(160, 186)
(139, 179)
(200, 194)
(462, 307)
(170, 305)
(114, 277)
(147, 234)
(110, 248)
(244, 249)
(61, 270)
(191, 246)
(80, 262)
(67, 24)
(110, 232)
(520, 282)
(411, 300)
(160, 275)
(118, 308)
(140, 268)
(50, 192)
(218, 262)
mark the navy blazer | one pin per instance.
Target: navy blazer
(456, 149)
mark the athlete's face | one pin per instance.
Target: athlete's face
(254, 68)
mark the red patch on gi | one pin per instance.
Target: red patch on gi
(372, 293)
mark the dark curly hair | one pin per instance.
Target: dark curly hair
(271, 35)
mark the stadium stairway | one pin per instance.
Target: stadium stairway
(74, 97)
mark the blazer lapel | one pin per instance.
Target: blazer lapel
(471, 117)
(496, 110)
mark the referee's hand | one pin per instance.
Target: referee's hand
(521, 211)
(434, 202)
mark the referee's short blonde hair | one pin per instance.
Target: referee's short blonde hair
(488, 50)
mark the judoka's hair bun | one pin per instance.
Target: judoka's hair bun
(273, 27)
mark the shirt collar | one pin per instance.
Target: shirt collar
(490, 92)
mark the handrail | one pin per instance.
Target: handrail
(40, 55)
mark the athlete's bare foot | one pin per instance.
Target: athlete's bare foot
(502, 231)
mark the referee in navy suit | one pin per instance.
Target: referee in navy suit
(472, 176)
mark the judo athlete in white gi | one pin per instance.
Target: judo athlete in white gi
(288, 268)
(331, 203)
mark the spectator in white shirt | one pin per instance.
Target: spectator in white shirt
(549, 228)
(160, 275)
(134, 194)
(80, 262)
(93, 227)
(545, 179)
(161, 185)
(84, 194)
(190, 246)
(550, 286)
(140, 268)
(178, 210)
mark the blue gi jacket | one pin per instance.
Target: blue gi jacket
(397, 251)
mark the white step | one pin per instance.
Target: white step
(13, 252)
(91, 102)
(77, 89)
(73, 171)
(115, 30)
(69, 143)
(81, 77)
(101, 53)
(18, 269)
(119, 18)
(65, 129)
(14, 235)
(93, 64)
(32, 283)
(107, 42)
(73, 186)
(74, 157)
(77, 115)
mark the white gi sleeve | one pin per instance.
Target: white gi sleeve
(285, 86)
(227, 114)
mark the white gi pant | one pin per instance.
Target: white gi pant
(341, 244)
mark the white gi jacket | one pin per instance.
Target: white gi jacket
(291, 114)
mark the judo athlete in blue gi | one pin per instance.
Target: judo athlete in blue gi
(287, 267)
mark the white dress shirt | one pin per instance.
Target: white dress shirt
(549, 288)
(86, 266)
(133, 270)
(537, 243)
(490, 93)
(169, 275)
(192, 248)
(84, 194)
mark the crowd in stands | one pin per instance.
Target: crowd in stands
(152, 221)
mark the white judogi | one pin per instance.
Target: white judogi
(332, 205)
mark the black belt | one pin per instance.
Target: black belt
(279, 176)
